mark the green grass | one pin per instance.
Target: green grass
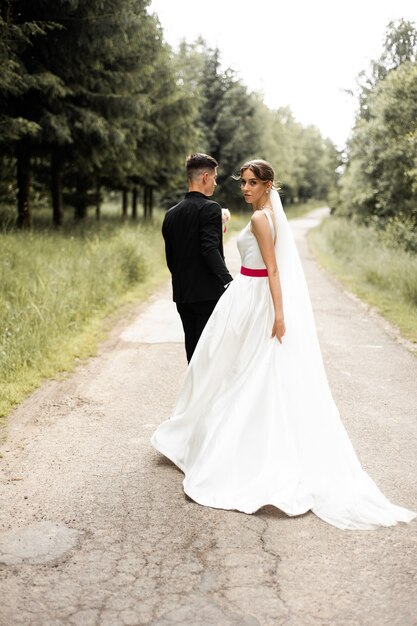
(61, 291)
(380, 273)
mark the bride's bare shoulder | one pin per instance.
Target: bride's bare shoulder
(258, 219)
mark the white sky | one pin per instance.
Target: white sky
(299, 53)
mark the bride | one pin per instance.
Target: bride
(255, 422)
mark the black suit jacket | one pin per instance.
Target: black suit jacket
(192, 231)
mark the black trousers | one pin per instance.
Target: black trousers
(194, 316)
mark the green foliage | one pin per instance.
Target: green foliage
(7, 189)
(397, 231)
(399, 46)
(224, 115)
(380, 177)
(18, 83)
(305, 162)
(93, 94)
(169, 132)
(383, 154)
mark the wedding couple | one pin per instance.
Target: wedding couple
(255, 422)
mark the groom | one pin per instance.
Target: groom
(192, 231)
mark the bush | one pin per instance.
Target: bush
(399, 231)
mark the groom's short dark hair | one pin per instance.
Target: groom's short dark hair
(196, 164)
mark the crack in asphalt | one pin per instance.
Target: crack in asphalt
(78, 454)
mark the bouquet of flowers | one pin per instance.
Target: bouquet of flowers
(225, 218)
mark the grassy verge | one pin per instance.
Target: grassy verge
(382, 275)
(60, 291)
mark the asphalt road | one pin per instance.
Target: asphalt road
(96, 530)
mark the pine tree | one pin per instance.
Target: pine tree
(83, 102)
(225, 118)
(19, 128)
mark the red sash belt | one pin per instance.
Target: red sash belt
(247, 271)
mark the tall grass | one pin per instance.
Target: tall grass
(56, 289)
(373, 266)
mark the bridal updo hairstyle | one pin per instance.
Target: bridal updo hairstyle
(262, 170)
(196, 164)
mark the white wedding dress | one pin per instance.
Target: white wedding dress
(255, 423)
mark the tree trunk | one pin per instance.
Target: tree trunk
(56, 191)
(146, 201)
(135, 203)
(80, 211)
(80, 202)
(23, 185)
(150, 201)
(98, 203)
(124, 203)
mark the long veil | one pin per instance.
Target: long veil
(285, 248)
(300, 343)
(344, 493)
(297, 304)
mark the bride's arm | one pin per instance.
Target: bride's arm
(262, 232)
